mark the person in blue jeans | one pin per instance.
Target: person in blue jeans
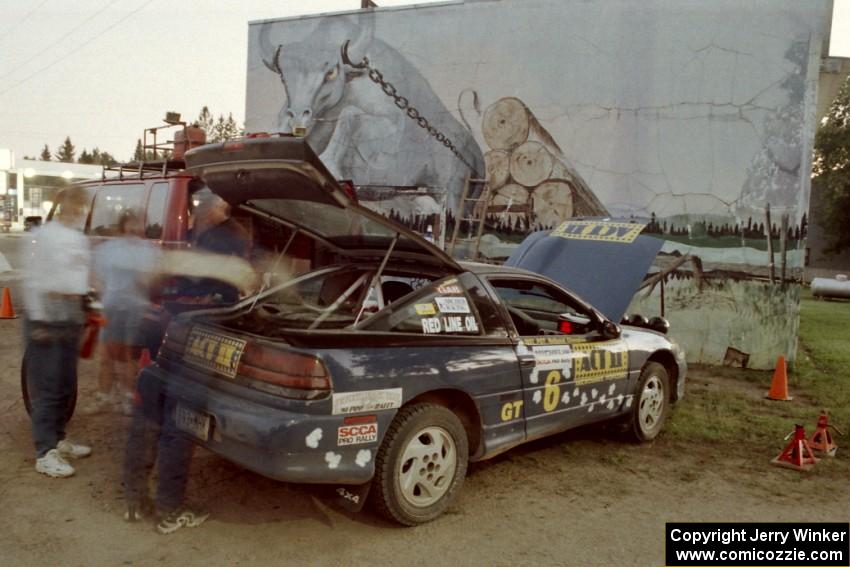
(56, 276)
(154, 438)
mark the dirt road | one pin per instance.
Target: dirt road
(583, 498)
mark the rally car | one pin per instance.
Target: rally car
(388, 364)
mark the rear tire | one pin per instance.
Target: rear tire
(652, 403)
(421, 464)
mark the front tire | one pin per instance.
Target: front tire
(652, 403)
(421, 464)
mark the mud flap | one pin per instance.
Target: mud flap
(351, 497)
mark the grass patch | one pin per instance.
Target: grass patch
(726, 406)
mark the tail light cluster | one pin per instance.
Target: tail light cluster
(284, 368)
(268, 368)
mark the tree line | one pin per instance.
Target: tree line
(218, 130)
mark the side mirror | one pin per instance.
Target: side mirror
(610, 330)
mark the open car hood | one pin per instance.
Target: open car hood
(603, 261)
(281, 178)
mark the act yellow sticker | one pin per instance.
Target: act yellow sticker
(623, 232)
(425, 309)
(600, 361)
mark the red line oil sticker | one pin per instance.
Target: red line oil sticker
(622, 232)
(450, 324)
(357, 434)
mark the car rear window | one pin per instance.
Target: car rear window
(111, 201)
(442, 308)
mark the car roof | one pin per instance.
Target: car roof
(492, 269)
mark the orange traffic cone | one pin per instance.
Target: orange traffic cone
(821, 440)
(797, 455)
(779, 386)
(6, 309)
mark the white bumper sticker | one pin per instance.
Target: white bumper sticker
(369, 400)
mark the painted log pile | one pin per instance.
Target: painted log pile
(527, 172)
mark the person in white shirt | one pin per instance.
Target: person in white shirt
(124, 267)
(56, 274)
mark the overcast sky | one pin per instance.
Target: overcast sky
(100, 71)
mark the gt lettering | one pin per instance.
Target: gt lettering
(512, 410)
(552, 392)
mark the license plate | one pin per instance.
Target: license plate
(192, 422)
(214, 352)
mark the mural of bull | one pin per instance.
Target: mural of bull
(359, 132)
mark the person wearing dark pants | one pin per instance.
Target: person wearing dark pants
(57, 278)
(154, 439)
(51, 359)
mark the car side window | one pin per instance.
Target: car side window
(58, 207)
(536, 308)
(442, 308)
(110, 202)
(155, 217)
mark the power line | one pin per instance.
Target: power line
(8, 31)
(76, 49)
(61, 39)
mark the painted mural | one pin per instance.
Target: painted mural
(696, 118)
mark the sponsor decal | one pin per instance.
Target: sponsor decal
(449, 287)
(512, 410)
(622, 232)
(450, 324)
(452, 304)
(369, 400)
(214, 352)
(600, 361)
(551, 358)
(551, 340)
(357, 434)
(425, 309)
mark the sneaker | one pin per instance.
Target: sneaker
(68, 449)
(102, 403)
(53, 464)
(139, 510)
(181, 518)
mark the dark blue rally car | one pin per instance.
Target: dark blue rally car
(388, 364)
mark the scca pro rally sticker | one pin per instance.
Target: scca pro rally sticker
(369, 400)
(357, 434)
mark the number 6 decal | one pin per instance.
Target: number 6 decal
(552, 392)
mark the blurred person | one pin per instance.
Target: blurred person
(215, 230)
(124, 267)
(57, 277)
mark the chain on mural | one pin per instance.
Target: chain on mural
(403, 103)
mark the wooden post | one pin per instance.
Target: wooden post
(783, 245)
(771, 265)
(663, 279)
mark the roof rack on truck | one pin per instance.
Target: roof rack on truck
(165, 156)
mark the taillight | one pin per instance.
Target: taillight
(284, 368)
